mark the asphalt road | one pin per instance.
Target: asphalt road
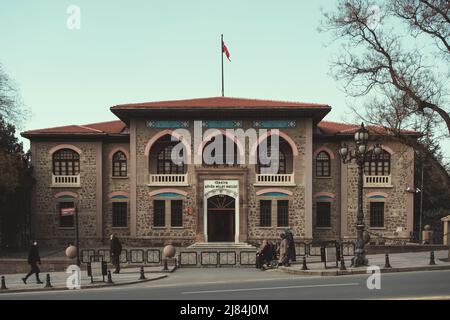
(235, 284)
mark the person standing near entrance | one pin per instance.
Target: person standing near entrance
(116, 250)
(33, 260)
(284, 245)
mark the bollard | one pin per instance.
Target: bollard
(3, 287)
(342, 267)
(142, 277)
(109, 278)
(387, 264)
(432, 262)
(304, 267)
(166, 268)
(47, 281)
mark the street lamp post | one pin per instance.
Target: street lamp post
(359, 154)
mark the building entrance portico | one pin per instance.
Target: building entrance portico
(221, 210)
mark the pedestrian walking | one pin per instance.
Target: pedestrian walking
(33, 260)
(116, 250)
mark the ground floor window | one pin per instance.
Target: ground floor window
(66, 221)
(377, 214)
(119, 216)
(159, 213)
(323, 214)
(283, 213)
(176, 213)
(265, 213)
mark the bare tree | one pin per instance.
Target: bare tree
(396, 70)
(428, 17)
(12, 109)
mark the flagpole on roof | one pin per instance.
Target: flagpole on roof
(221, 51)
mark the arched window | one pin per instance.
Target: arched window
(165, 164)
(284, 151)
(378, 166)
(119, 164)
(66, 162)
(160, 157)
(323, 164)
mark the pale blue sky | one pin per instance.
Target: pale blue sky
(135, 51)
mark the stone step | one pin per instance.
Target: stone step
(221, 245)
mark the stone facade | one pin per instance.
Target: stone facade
(98, 190)
(45, 220)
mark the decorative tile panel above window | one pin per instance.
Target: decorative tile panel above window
(167, 124)
(272, 124)
(222, 124)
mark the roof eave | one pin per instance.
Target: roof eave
(318, 113)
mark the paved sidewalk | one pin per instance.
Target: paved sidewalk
(400, 262)
(58, 280)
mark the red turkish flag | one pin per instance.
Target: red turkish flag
(225, 50)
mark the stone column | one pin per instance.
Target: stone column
(99, 189)
(133, 186)
(308, 179)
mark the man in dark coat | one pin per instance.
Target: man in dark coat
(33, 260)
(116, 250)
(291, 248)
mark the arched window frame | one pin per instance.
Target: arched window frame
(119, 164)
(323, 164)
(66, 162)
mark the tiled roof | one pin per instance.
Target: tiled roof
(219, 102)
(332, 128)
(110, 127)
(115, 126)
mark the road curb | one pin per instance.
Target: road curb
(359, 271)
(86, 287)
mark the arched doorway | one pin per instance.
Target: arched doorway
(221, 211)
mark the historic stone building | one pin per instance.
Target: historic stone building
(121, 177)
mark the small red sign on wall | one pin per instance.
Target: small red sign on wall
(67, 211)
(189, 209)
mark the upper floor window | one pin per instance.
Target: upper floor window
(162, 160)
(284, 157)
(165, 163)
(323, 164)
(220, 150)
(119, 164)
(66, 162)
(378, 166)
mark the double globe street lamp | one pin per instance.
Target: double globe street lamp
(360, 154)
